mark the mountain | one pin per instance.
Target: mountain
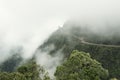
(13, 61)
(102, 47)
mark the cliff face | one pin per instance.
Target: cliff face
(104, 48)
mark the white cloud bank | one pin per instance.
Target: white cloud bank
(28, 23)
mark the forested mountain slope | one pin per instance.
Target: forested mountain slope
(104, 48)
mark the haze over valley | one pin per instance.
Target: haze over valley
(55, 34)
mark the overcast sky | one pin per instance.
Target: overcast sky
(28, 23)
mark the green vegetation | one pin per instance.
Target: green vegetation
(11, 63)
(67, 39)
(28, 71)
(80, 66)
(109, 57)
(64, 39)
(12, 76)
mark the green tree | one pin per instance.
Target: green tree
(11, 76)
(32, 71)
(28, 71)
(80, 66)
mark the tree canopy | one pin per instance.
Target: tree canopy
(28, 71)
(80, 66)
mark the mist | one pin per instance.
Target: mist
(49, 62)
(28, 23)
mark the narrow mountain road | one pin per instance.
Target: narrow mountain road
(89, 43)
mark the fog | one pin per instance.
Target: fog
(27, 23)
(49, 62)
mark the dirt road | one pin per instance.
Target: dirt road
(89, 43)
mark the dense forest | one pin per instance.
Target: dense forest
(68, 37)
(78, 66)
(97, 59)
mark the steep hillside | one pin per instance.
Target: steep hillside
(13, 61)
(104, 48)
